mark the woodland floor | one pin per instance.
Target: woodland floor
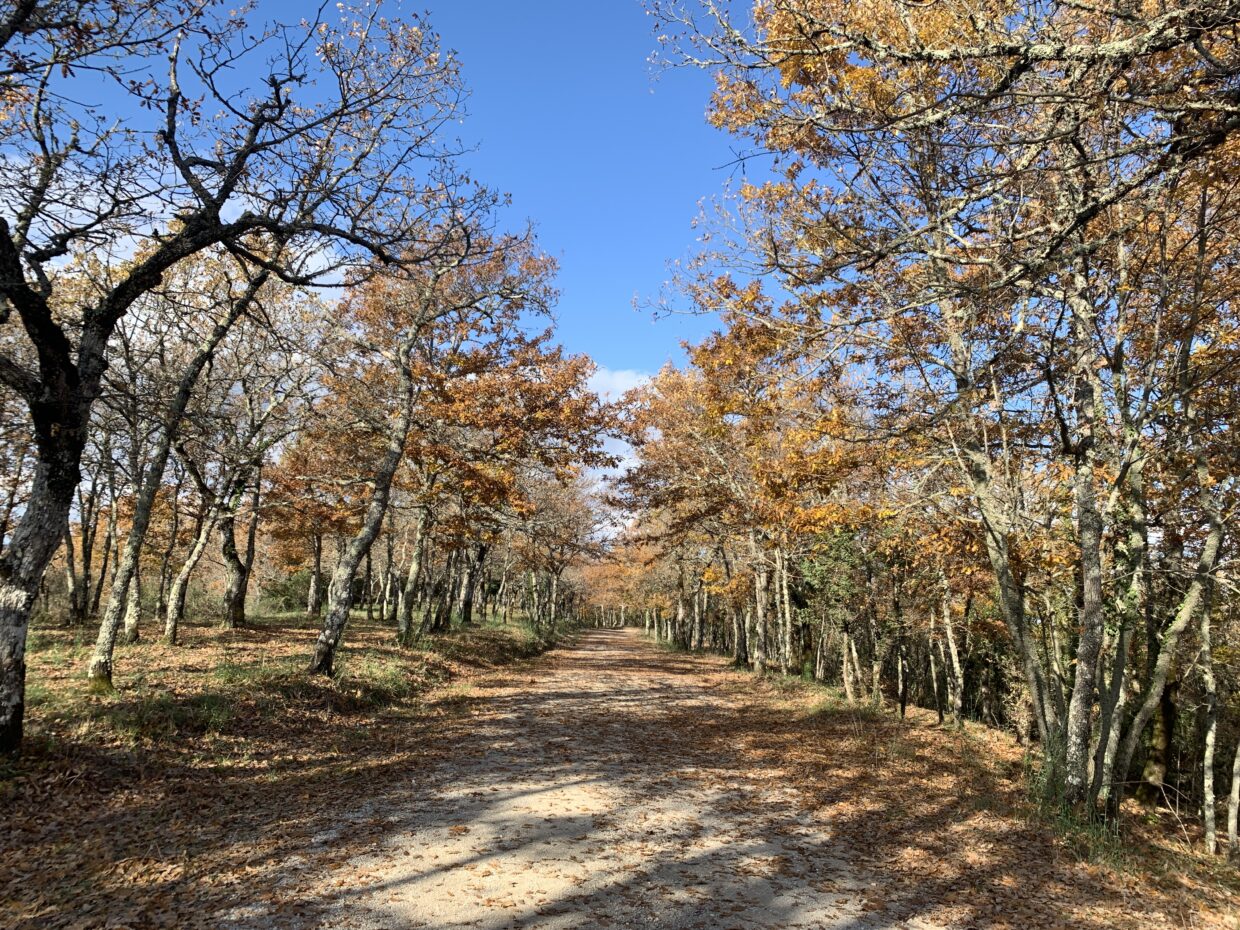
(607, 784)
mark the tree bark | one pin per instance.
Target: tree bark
(1211, 735)
(131, 631)
(1152, 697)
(322, 662)
(34, 542)
(470, 583)
(236, 576)
(405, 630)
(314, 599)
(1233, 807)
(180, 586)
(1078, 733)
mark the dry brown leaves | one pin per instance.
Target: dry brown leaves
(942, 820)
(212, 779)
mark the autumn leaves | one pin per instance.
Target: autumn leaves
(977, 360)
(249, 291)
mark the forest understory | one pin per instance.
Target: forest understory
(238, 793)
(186, 790)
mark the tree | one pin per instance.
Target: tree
(966, 213)
(479, 292)
(335, 148)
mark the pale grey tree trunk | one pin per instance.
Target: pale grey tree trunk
(341, 587)
(695, 630)
(846, 677)
(131, 631)
(1114, 703)
(554, 598)
(1233, 807)
(783, 611)
(858, 674)
(314, 597)
(1186, 612)
(956, 666)
(73, 586)
(109, 539)
(1078, 733)
(761, 598)
(165, 562)
(932, 643)
(180, 586)
(389, 575)
(1211, 734)
(405, 630)
(1131, 556)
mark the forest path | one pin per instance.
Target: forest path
(597, 790)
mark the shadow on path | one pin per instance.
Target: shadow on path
(617, 786)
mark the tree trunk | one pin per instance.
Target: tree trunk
(553, 598)
(314, 599)
(932, 643)
(785, 608)
(405, 630)
(846, 677)
(955, 669)
(321, 663)
(73, 585)
(761, 599)
(1211, 735)
(180, 586)
(133, 611)
(1157, 763)
(1078, 733)
(35, 541)
(236, 576)
(1186, 612)
(470, 582)
(1131, 557)
(1233, 807)
(165, 563)
(109, 541)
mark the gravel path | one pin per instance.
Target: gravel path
(577, 796)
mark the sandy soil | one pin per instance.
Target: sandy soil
(577, 797)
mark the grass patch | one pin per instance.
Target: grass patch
(1091, 839)
(159, 717)
(248, 683)
(58, 649)
(370, 681)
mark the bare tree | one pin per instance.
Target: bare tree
(335, 147)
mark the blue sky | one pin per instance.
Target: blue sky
(608, 155)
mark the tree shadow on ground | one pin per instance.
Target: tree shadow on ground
(893, 824)
(288, 821)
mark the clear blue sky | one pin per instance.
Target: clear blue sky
(606, 154)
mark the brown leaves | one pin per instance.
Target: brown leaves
(111, 826)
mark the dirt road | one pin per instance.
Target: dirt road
(577, 796)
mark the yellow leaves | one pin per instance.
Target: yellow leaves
(834, 515)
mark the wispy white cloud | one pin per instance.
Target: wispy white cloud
(611, 383)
